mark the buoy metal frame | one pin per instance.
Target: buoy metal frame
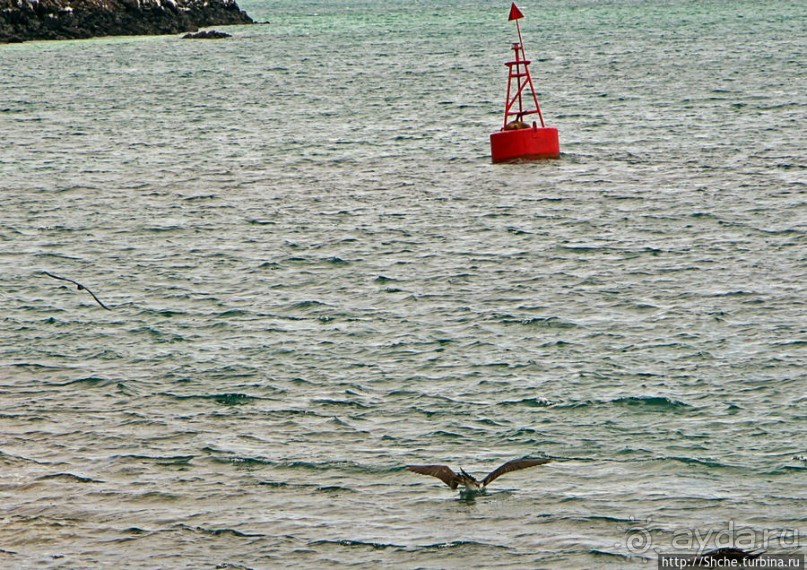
(517, 140)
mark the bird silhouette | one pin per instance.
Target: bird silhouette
(719, 557)
(79, 286)
(455, 479)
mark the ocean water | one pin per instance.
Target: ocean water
(316, 277)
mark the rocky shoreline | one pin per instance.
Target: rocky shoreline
(24, 20)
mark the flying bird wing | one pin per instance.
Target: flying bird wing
(712, 557)
(79, 286)
(442, 472)
(514, 465)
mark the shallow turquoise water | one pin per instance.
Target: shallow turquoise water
(317, 277)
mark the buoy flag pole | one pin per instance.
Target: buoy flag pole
(523, 77)
(515, 14)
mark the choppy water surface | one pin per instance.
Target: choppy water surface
(317, 277)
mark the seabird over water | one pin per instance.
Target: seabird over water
(723, 557)
(79, 286)
(453, 480)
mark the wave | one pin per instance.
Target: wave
(218, 531)
(544, 322)
(451, 545)
(90, 381)
(582, 248)
(350, 466)
(69, 477)
(602, 553)
(794, 342)
(34, 365)
(535, 402)
(308, 304)
(492, 423)
(336, 465)
(197, 197)
(239, 461)
(354, 543)
(10, 459)
(432, 413)
(606, 518)
(158, 459)
(786, 469)
(277, 484)
(640, 403)
(343, 403)
(650, 401)
(158, 335)
(694, 461)
(697, 461)
(226, 399)
(464, 544)
(335, 489)
(232, 313)
(444, 433)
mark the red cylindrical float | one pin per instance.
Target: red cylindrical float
(525, 143)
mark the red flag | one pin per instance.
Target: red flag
(515, 13)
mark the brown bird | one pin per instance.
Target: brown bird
(453, 480)
(718, 558)
(79, 286)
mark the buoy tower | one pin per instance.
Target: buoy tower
(520, 139)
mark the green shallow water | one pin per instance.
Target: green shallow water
(317, 277)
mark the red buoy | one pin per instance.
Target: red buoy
(517, 139)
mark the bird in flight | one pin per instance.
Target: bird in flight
(454, 479)
(722, 556)
(79, 286)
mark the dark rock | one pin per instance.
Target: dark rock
(206, 35)
(22, 20)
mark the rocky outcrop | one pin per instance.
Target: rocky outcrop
(207, 35)
(22, 20)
